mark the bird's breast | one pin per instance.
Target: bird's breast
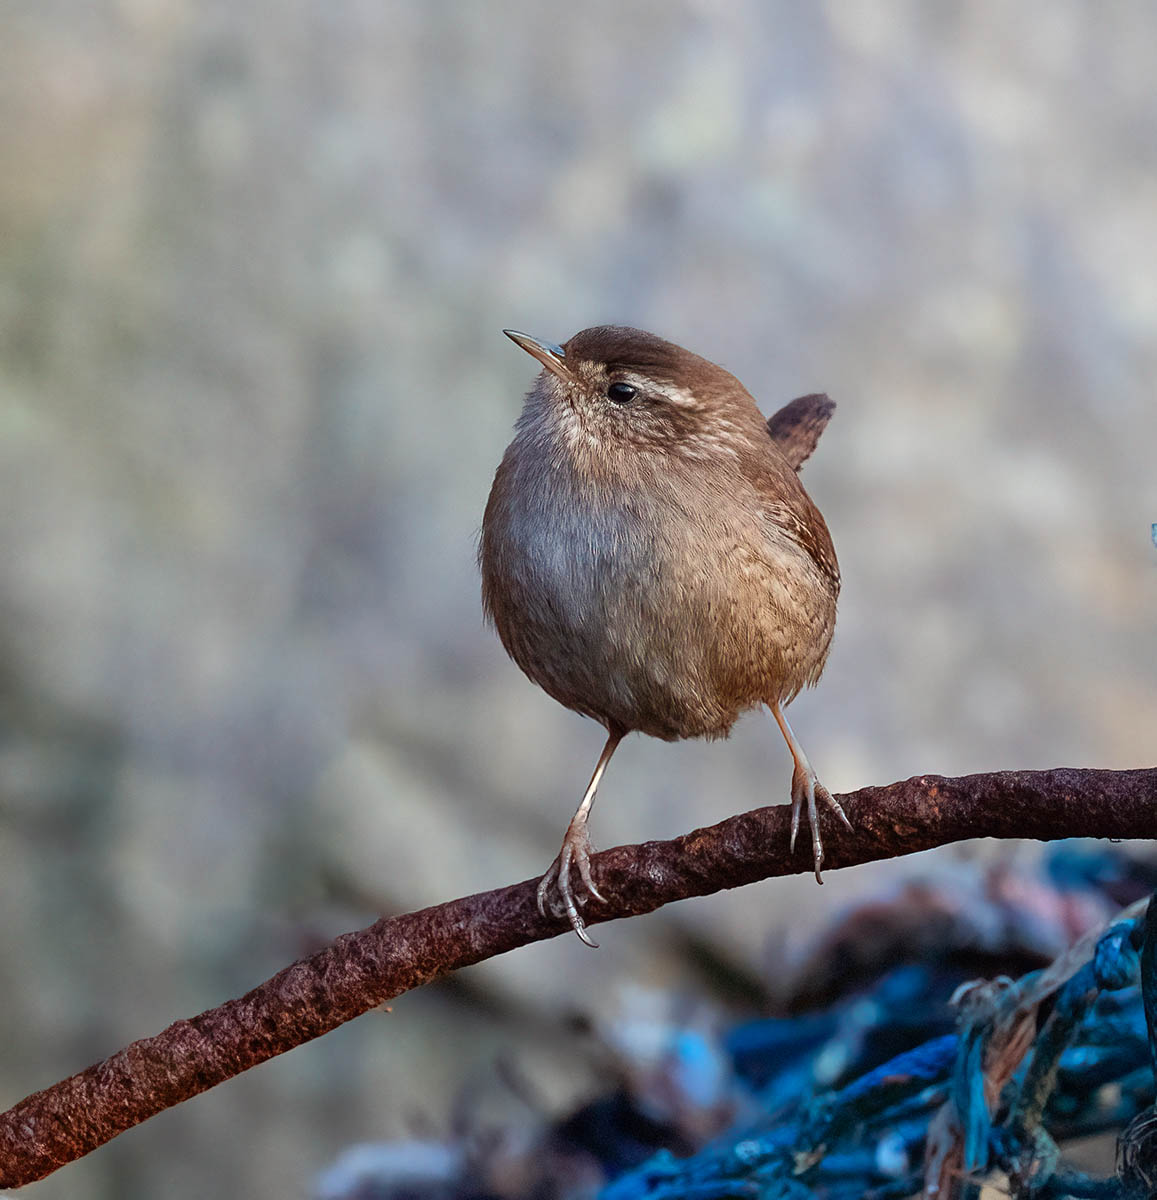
(648, 608)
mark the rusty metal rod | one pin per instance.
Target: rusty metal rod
(362, 970)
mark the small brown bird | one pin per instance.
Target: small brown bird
(650, 559)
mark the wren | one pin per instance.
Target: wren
(650, 558)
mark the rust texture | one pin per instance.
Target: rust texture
(362, 970)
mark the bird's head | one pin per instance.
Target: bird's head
(612, 387)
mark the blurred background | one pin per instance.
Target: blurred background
(255, 258)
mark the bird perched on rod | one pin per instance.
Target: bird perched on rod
(650, 559)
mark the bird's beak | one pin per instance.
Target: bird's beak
(552, 357)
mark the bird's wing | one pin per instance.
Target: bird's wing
(796, 428)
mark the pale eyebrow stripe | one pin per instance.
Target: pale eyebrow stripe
(678, 396)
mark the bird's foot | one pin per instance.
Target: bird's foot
(556, 892)
(807, 789)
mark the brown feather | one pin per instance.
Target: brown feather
(657, 565)
(796, 428)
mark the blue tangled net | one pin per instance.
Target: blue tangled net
(1013, 1069)
(905, 1076)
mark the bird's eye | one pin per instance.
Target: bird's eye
(621, 393)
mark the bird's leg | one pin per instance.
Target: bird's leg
(805, 785)
(576, 852)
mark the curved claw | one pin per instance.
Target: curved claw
(544, 888)
(832, 803)
(583, 862)
(798, 791)
(807, 789)
(813, 817)
(575, 853)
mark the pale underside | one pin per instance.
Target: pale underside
(667, 608)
